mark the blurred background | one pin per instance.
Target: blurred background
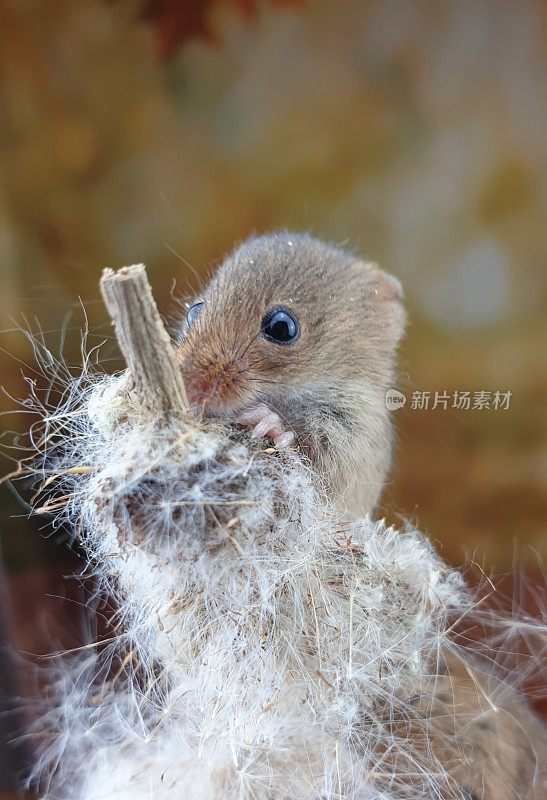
(416, 133)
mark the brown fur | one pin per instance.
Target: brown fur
(329, 386)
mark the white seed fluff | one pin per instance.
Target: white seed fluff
(265, 647)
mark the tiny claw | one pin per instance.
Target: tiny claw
(269, 424)
(266, 422)
(284, 439)
(253, 415)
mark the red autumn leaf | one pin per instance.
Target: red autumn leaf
(176, 21)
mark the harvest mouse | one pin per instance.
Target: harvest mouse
(297, 338)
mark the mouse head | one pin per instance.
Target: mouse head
(288, 315)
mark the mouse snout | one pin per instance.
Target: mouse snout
(196, 393)
(214, 386)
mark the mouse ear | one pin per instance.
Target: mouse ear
(385, 287)
(386, 294)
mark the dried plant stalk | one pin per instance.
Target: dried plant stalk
(144, 342)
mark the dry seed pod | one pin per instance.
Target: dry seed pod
(264, 647)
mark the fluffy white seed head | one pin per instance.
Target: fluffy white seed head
(264, 647)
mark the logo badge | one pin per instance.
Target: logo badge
(394, 399)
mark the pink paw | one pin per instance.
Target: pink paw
(266, 422)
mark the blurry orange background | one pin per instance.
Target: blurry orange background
(166, 131)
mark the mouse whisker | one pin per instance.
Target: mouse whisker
(246, 347)
(187, 263)
(248, 367)
(263, 380)
(259, 363)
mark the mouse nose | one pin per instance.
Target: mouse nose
(198, 392)
(213, 383)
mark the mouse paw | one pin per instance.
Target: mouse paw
(266, 422)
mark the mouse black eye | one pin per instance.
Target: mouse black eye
(192, 313)
(280, 326)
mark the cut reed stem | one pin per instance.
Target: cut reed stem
(144, 342)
